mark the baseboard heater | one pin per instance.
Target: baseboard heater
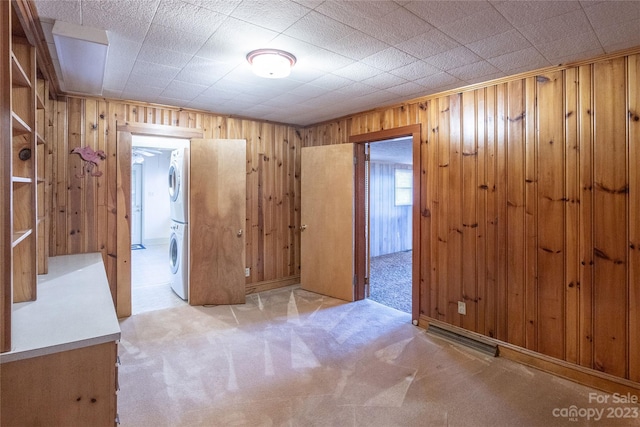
(486, 348)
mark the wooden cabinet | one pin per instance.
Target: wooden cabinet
(62, 367)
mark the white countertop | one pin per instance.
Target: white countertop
(74, 309)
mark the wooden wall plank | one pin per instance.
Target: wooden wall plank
(481, 206)
(515, 193)
(572, 218)
(454, 235)
(610, 217)
(442, 208)
(75, 185)
(469, 160)
(551, 204)
(585, 248)
(633, 78)
(531, 213)
(500, 183)
(491, 269)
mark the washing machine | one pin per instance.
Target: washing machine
(179, 185)
(179, 259)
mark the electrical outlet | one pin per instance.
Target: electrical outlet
(247, 272)
(462, 307)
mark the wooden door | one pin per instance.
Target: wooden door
(217, 204)
(327, 218)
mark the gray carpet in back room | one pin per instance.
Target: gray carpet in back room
(390, 280)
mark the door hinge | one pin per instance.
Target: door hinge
(367, 157)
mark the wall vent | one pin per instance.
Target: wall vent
(486, 348)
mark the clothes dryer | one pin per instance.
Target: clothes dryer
(179, 185)
(179, 259)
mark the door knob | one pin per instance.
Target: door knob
(239, 233)
(303, 227)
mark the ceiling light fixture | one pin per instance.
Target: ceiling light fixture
(82, 52)
(271, 63)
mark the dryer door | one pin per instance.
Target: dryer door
(174, 253)
(174, 182)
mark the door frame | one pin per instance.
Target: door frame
(413, 131)
(124, 134)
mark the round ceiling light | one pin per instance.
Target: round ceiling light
(271, 63)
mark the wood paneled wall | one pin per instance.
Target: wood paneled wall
(84, 207)
(530, 202)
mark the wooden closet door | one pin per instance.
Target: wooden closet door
(327, 215)
(217, 205)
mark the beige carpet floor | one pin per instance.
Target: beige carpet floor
(289, 357)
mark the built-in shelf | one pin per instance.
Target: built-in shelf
(19, 236)
(18, 76)
(22, 179)
(19, 126)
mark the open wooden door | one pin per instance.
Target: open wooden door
(217, 204)
(327, 218)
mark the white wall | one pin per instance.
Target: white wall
(156, 218)
(155, 199)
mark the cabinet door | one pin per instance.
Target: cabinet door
(217, 205)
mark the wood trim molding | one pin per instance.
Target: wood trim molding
(166, 131)
(413, 131)
(31, 22)
(579, 374)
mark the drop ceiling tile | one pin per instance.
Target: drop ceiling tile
(285, 100)
(140, 11)
(318, 29)
(558, 27)
(395, 27)
(158, 55)
(478, 26)
(453, 58)
(182, 90)
(349, 11)
(176, 40)
(611, 13)
(142, 68)
(61, 10)
(389, 59)
(187, 17)
(526, 59)
(384, 80)
(220, 6)
(580, 56)
(203, 71)
(357, 71)
(439, 13)
(499, 44)
(620, 36)
(428, 44)
(234, 39)
(408, 89)
(309, 90)
(123, 26)
(522, 13)
(323, 60)
(569, 47)
(356, 45)
(116, 81)
(331, 82)
(439, 80)
(415, 70)
(473, 71)
(136, 90)
(276, 15)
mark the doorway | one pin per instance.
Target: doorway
(408, 198)
(151, 224)
(389, 186)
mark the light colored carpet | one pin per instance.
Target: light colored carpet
(289, 357)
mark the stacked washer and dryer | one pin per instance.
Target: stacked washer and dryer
(178, 242)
